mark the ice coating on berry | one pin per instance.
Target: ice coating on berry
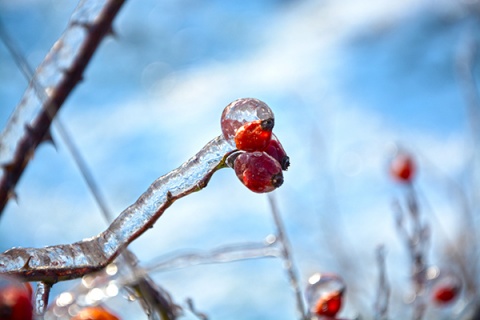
(254, 136)
(15, 300)
(240, 112)
(275, 150)
(324, 294)
(258, 171)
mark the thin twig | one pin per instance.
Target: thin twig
(41, 298)
(288, 265)
(416, 242)
(383, 291)
(223, 254)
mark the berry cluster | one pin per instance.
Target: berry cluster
(247, 124)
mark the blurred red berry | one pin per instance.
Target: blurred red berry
(258, 171)
(328, 305)
(445, 287)
(95, 313)
(15, 300)
(446, 293)
(402, 168)
(254, 135)
(275, 150)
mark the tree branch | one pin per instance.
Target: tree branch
(61, 71)
(63, 262)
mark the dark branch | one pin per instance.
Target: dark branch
(39, 126)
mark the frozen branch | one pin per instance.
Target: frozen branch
(60, 72)
(416, 241)
(228, 253)
(62, 262)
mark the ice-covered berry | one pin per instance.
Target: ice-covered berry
(328, 305)
(324, 294)
(275, 150)
(240, 112)
(258, 171)
(254, 135)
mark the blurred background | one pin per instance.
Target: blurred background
(348, 82)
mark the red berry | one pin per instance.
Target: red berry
(324, 294)
(275, 150)
(15, 300)
(328, 305)
(241, 111)
(447, 294)
(254, 135)
(402, 168)
(258, 171)
(94, 313)
(445, 287)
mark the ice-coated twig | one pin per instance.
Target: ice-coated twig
(193, 310)
(60, 72)
(154, 299)
(223, 254)
(288, 263)
(41, 298)
(150, 295)
(62, 262)
(383, 291)
(416, 241)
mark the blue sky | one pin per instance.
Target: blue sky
(346, 81)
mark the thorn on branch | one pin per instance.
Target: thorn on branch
(112, 33)
(26, 265)
(12, 195)
(48, 138)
